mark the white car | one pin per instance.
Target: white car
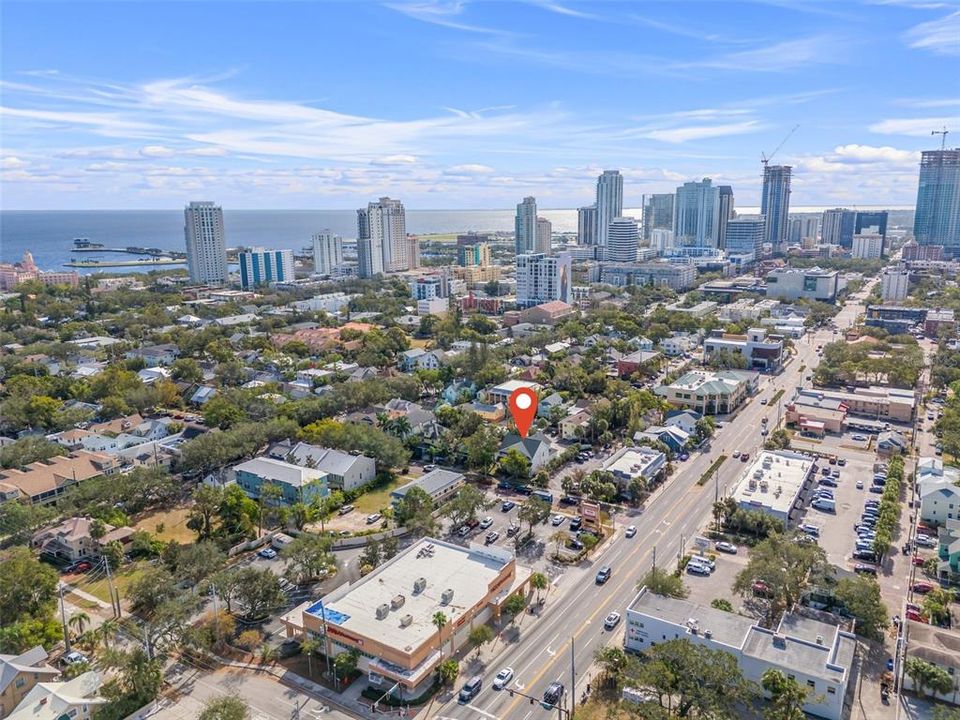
(858, 438)
(486, 522)
(375, 517)
(503, 677)
(558, 520)
(630, 531)
(268, 553)
(925, 541)
(726, 547)
(611, 620)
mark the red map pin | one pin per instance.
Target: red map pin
(523, 407)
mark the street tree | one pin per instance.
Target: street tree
(514, 605)
(345, 664)
(480, 636)
(148, 591)
(439, 621)
(258, 591)
(663, 582)
(309, 557)
(860, 595)
(225, 707)
(466, 505)
(448, 670)
(539, 582)
(927, 676)
(612, 661)
(787, 696)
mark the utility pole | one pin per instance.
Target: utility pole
(680, 552)
(63, 619)
(573, 677)
(114, 599)
(216, 611)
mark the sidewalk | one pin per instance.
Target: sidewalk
(86, 596)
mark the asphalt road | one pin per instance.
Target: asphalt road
(674, 515)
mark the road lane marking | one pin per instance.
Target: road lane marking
(483, 712)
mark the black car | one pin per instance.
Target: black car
(603, 574)
(865, 555)
(576, 523)
(569, 500)
(553, 693)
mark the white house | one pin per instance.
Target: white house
(939, 493)
(818, 655)
(420, 359)
(679, 344)
(535, 448)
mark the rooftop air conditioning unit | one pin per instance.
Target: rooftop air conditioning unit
(708, 634)
(397, 602)
(382, 611)
(419, 585)
(779, 641)
(446, 596)
(406, 620)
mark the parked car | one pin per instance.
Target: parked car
(503, 677)
(918, 561)
(74, 657)
(876, 489)
(345, 509)
(268, 553)
(610, 622)
(915, 616)
(727, 547)
(375, 517)
(925, 541)
(557, 520)
(78, 567)
(491, 537)
(865, 569)
(867, 555)
(859, 484)
(841, 461)
(576, 523)
(507, 506)
(429, 467)
(858, 437)
(486, 522)
(922, 587)
(697, 569)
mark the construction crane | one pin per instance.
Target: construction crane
(767, 158)
(943, 136)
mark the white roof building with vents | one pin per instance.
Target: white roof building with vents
(773, 483)
(388, 615)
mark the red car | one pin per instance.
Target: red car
(918, 561)
(922, 587)
(78, 567)
(915, 616)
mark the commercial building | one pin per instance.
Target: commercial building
(382, 244)
(345, 471)
(710, 393)
(878, 403)
(549, 313)
(873, 223)
(12, 274)
(894, 284)
(696, 214)
(810, 284)
(726, 214)
(914, 252)
(936, 220)
(673, 275)
(206, 243)
(19, 674)
(387, 615)
(775, 204)
(820, 656)
(439, 484)
(609, 203)
(746, 309)
(544, 236)
(327, 253)
(631, 463)
(525, 227)
(867, 246)
(816, 415)
(296, 484)
(657, 214)
(895, 319)
(623, 240)
(838, 227)
(773, 483)
(761, 351)
(745, 235)
(259, 266)
(938, 319)
(587, 225)
(542, 278)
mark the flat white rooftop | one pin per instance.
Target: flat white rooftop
(467, 574)
(773, 482)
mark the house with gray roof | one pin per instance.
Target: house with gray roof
(297, 484)
(439, 484)
(535, 448)
(345, 471)
(19, 674)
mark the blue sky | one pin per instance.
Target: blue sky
(456, 104)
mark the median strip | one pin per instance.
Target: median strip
(714, 466)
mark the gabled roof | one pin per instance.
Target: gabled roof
(33, 660)
(528, 446)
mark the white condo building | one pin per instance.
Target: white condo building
(623, 240)
(327, 252)
(543, 278)
(868, 246)
(382, 244)
(544, 236)
(259, 266)
(894, 284)
(206, 243)
(525, 226)
(609, 203)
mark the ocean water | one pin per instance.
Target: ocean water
(49, 234)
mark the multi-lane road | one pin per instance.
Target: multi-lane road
(574, 615)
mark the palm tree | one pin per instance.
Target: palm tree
(308, 647)
(559, 538)
(539, 582)
(107, 631)
(78, 622)
(439, 622)
(401, 427)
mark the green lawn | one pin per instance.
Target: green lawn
(376, 500)
(96, 583)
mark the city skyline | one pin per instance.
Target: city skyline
(508, 113)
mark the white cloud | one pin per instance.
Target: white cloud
(785, 55)
(470, 169)
(443, 14)
(11, 162)
(157, 151)
(395, 160)
(702, 132)
(938, 36)
(919, 127)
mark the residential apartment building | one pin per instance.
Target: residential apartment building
(327, 253)
(587, 225)
(296, 484)
(382, 244)
(726, 214)
(544, 236)
(894, 284)
(938, 490)
(206, 243)
(936, 220)
(623, 240)
(440, 485)
(818, 655)
(696, 214)
(838, 227)
(345, 471)
(775, 204)
(44, 481)
(542, 278)
(744, 236)
(609, 203)
(761, 350)
(525, 227)
(259, 266)
(867, 246)
(657, 214)
(673, 275)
